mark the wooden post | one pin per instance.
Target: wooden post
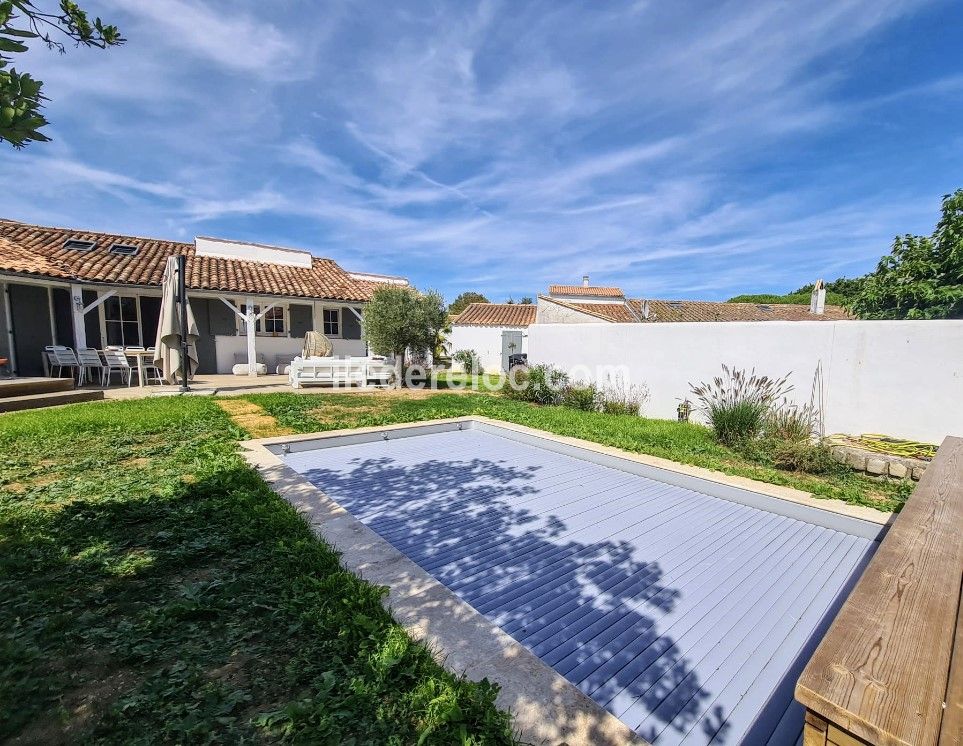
(250, 321)
(77, 315)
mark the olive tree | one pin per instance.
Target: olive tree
(397, 319)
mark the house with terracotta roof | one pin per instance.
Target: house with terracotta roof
(496, 330)
(585, 304)
(81, 288)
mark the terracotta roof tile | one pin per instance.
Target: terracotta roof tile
(37, 250)
(598, 292)
(616, 312)
(497, 314)
(611, 312)
(695, 311)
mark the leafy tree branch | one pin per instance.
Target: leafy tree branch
(21, 95)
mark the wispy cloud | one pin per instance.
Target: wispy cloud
(674, 149)
(231, 38)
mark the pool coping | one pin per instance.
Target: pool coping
(546, 707)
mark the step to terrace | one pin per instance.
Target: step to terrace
(17, 394)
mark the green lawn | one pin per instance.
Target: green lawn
(154, 590)
(447, 379)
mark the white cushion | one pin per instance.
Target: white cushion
(241, 369)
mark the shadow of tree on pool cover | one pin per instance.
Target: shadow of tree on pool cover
(468, 524)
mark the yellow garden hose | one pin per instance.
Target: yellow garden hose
(887, 444)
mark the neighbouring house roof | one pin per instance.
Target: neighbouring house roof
(696, 310)
(614, 312)
(497, 314)
(588, 291)
(39, 250)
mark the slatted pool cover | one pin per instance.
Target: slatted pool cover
(687, 616)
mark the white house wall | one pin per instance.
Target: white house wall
(486, 341)
(226, 347)
(548, 312)
(902, 378)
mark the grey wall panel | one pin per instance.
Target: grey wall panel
(206, 351)
(682, 613)
(302, 319)
(30, 316)
(92, 320)
(4, 324)
(149, 319)
(63, 317)
(222, 320)
(350, 326)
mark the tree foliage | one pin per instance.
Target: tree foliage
(400, 318)
(794, 298)
(464, 300)
(839, 292)
(922, 277)
(21, 95)
(842, 287)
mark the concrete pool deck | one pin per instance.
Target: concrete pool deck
(547, 708)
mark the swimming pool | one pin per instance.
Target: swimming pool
(684, 606)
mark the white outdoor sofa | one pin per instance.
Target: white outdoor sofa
(340, 371)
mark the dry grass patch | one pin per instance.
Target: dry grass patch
(252, 418)
(41, 480)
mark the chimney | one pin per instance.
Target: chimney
(817, 302)
(585, 281)
(645, 310)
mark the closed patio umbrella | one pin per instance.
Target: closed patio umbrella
(170, 326)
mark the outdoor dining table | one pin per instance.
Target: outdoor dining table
(141, 356)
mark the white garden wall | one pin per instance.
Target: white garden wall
(486, 341)
(902, 378)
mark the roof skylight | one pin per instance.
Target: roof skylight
(78, 244)
(124, 249)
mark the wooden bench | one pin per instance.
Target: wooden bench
(890, 668)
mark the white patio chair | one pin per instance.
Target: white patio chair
(50, 360)
(90, 361)
(64, 357)
(133, 351)
(115, 362)
(151, 372)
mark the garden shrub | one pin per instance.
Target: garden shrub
(737, 403)
(539, 384)
(620, 397)
(584, 396)
(792, 423)
(469, 360)
(799, 455)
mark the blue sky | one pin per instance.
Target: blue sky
(678, 150)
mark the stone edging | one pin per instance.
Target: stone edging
(875, 464)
